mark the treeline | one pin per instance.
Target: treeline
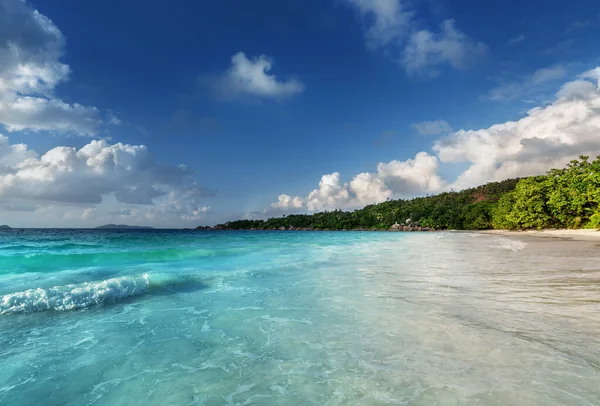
(563, 198)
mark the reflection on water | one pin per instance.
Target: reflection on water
(315, 318)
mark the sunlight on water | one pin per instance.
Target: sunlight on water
(273, 318)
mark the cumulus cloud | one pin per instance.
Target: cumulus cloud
(435, 127)
(413, 176)
(367, 188)
(389, 23)
(251, 77)
(392, 179)
(128, 174)
(363, 189)
(575, 89)
(331, 194)
(547, 137)
(12, 155)
(528, 85)
(426, 50)
(31, 47)
(285, 202)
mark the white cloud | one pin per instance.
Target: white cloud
(393, 179)
(31, 47)
(528, 85)
(331, 194)
(12, 155)
(435, 127)
(576, 88)
(413, 176)
(97, 173)
(390, 24)
(252, 77)
(286, 202)
(387, 20)
(547, 137)
(426, 50)
(368, 188)
(593, 74)
(38, 113)
(364, 188)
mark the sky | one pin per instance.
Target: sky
(195, 113)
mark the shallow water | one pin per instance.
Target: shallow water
(296, 318)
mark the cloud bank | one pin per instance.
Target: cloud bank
(96, 173)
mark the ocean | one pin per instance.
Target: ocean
(159, 317)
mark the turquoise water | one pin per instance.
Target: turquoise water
(296, 318)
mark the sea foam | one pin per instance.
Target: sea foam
(512, 245)
(74, 296)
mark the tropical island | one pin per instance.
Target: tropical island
(5, 227)
(562, 198)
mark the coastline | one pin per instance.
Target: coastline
(561, 234)
(540, 235)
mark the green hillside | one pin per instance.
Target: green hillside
(563, 198)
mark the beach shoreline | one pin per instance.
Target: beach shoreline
(562, 234)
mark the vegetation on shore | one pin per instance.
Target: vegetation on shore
(563, 198)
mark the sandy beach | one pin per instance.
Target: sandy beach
(563, 234)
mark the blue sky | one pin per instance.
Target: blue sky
(277, 107)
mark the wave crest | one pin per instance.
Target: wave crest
(74, 296)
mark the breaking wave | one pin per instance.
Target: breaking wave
(78, 296)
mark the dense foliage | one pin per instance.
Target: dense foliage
(563, 198)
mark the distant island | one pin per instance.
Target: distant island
(5, 227)
(563, 198)
(123, 227)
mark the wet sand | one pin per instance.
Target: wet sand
(562, 234)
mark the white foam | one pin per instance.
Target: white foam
(74, 296)
(512, 245)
